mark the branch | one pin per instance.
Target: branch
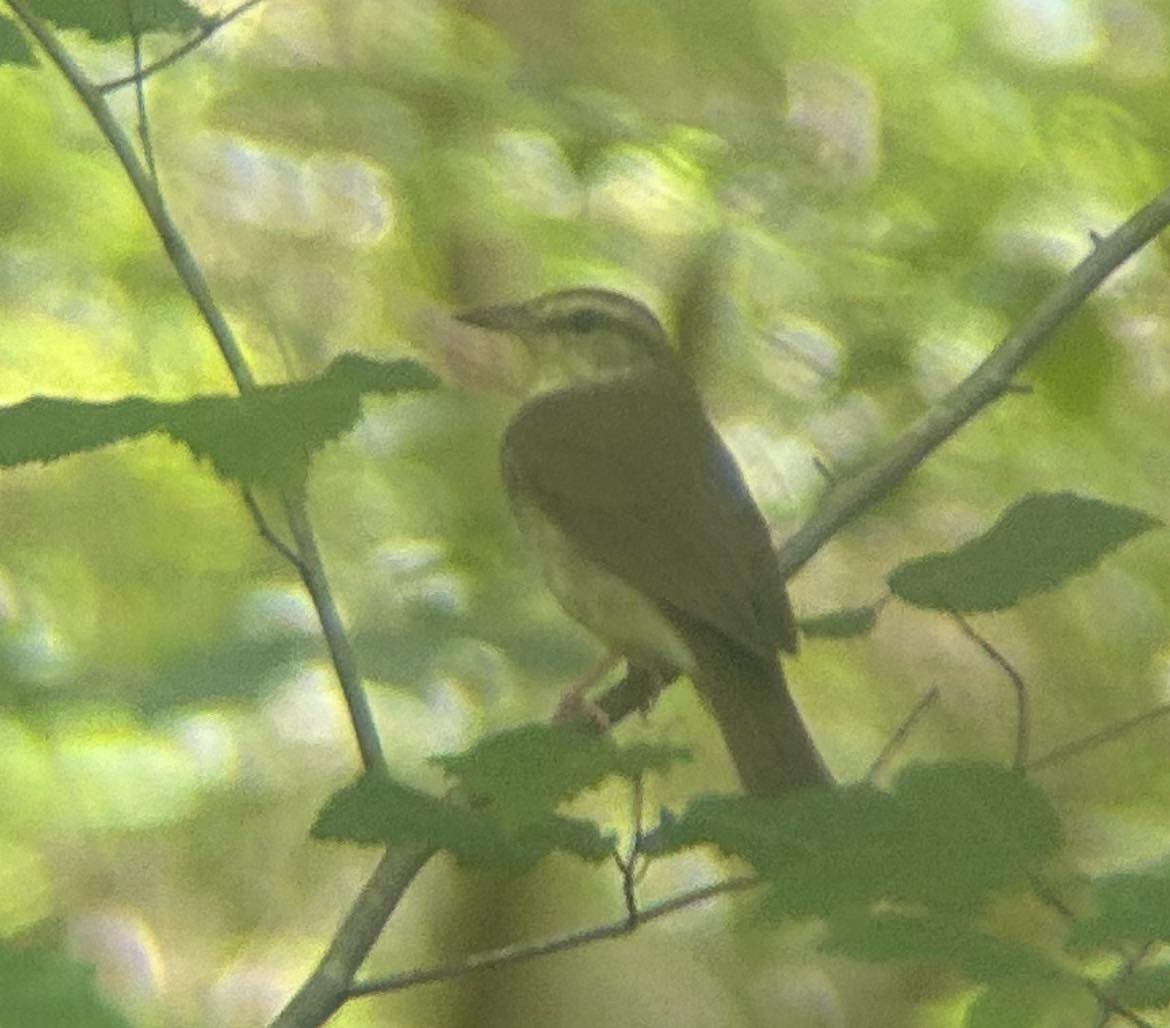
(1023, 721)
(330, 982)
(197, 288)
(1089, 742)
(985, 384)
(553, 944)
(268, 535)
(989, 381)
(205, 32)
(328, 986)
(926, 700)
(1111, 1007)
(173, 242)
(140, 95)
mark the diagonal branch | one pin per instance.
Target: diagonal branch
(989, 381)
(553, 944)
(208, 29)
(1019, 687)
(984, 385)
(329, 985)
(192, 277)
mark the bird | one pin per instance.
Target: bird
(643, 526)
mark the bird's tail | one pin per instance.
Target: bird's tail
(761, 725)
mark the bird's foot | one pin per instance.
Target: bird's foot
(576, 708)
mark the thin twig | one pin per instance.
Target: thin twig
(554, 944)
(176, 247)
(1107, 1006)
(1077, 746)
(268, 535)
(208, 29)
(899, 736)
(1023, 717)
(140, 93)
(987, 383)
(1050, 899)
(984, 385)
(1105, 1011)
(326, 988)
(333, 628)
(1111, 1006)
(630, 866)
(627, 869)
(191, 275)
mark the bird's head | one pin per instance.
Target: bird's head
(583, 335)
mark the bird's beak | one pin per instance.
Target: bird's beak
(506, 355)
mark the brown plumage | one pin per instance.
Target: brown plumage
(645, 528)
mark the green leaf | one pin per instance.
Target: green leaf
(840, 624)
(1131, 908)
(265, 437)
(512, 781)
(945, 838)
(40, 988)
(378, 810)
(1144, 987)
(1036, 544)
(14, 49)
(981, 957)
(45, 428)
(975, 828)
(537, 766)
(106, 20)
(1030, 1002)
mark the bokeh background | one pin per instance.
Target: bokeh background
(837, 207)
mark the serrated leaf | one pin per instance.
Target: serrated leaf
(820, 849)
(540, 765)
(1035, 545)
(946, 837)
(106, 20)
(840, 624)
(266, 437)
(41, 988)
(1131, 908)
(14, 49)
(378, 810)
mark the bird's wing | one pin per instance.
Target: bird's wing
(637, 477)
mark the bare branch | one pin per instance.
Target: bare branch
(140, 95)
(191, 275)
(1131, 964)
(205, 32)
(1111, 1007)
(554, 944)
(268, 535)
(985, 384)
(328, 986)
(1089, 742)
(927, 699)
(1023, 719)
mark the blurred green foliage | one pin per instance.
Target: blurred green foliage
(838, 208)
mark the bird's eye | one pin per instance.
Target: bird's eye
(584, 320)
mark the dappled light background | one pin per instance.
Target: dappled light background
(838, 209)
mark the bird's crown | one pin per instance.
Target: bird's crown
(593, 334)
